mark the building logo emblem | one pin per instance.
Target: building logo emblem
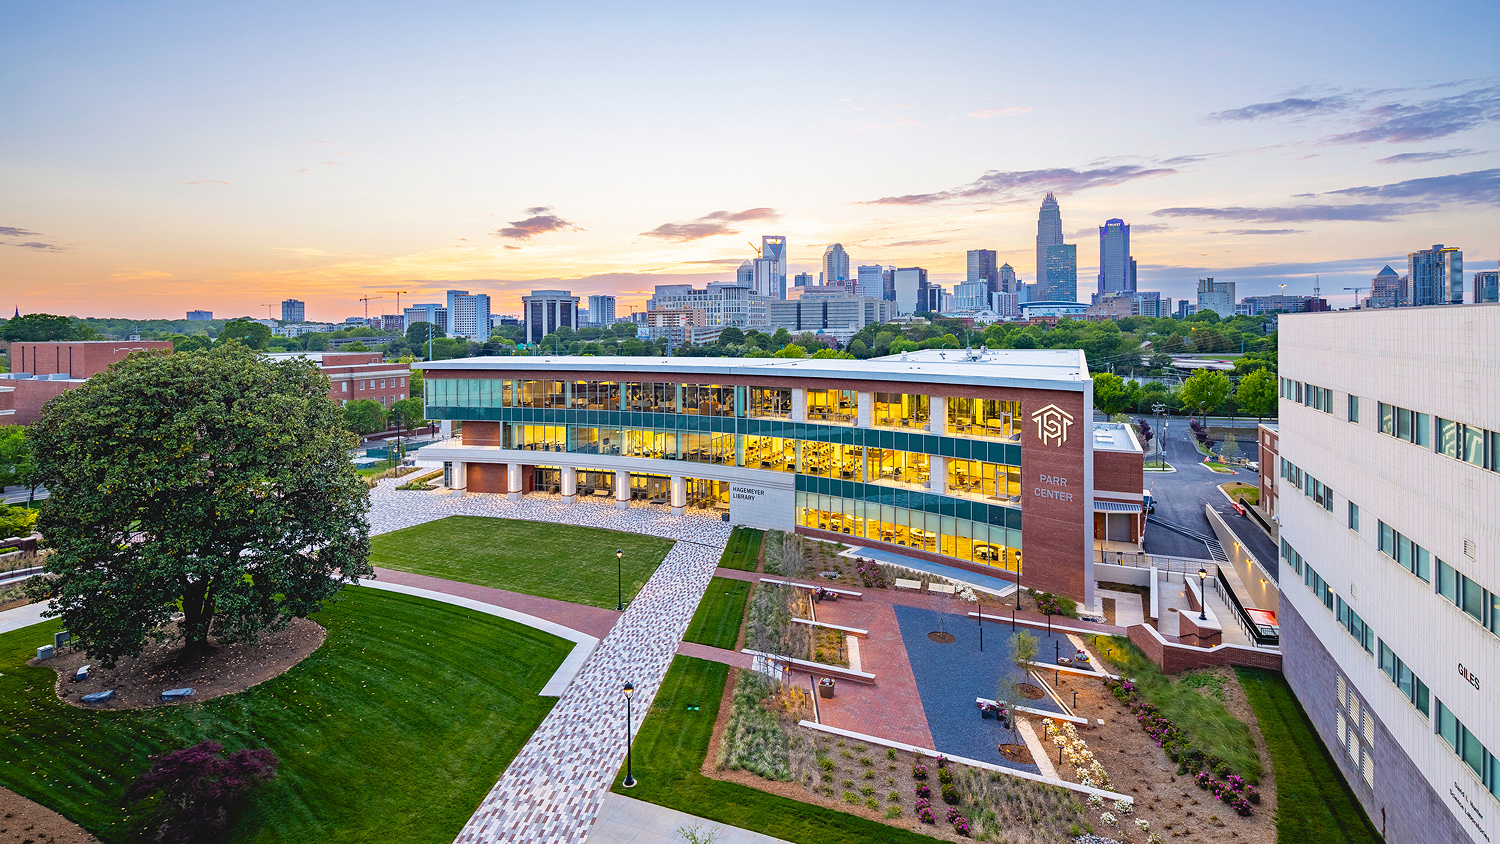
(1052, 424)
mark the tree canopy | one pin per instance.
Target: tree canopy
(251, 334)
(42, 328)
(1205, 391)
(365, 416)
(218, 482)
(1257, 394)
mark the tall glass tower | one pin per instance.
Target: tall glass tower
(835, 264)
(1436, 276)
(1114, 258)
(1048, 233)
(1062, 274)
(773, 247)
(982, 266)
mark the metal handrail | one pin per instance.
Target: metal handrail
(1253, 631)
(1140, 559)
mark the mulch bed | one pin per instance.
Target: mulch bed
(138, 682)
(25, 822)
(1018, 753)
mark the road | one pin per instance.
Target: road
(19, 494)
(1181, 495)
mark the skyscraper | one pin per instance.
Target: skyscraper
(1062, 273)
(1048, 233)
(602, 310)
(765, 278)
(1385, 289)
(910, 289)
(1216, 296)
(982, 267)
(293, 310)
(871, 280)
(773, 247)
(469, 315)
(745, 275)
(1436, 276)
(835, 264)
(1115, 274)
(1008, 281)
(545, 311)
(1486, 287)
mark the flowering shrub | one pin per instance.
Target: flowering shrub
(1232, 791)
(1107, 819)
(1124, 807)
(919, 771)
(870, 573)
(960, 823)
(1096, 801)
(924, 812)
(923, 790)
(945, 776)
(950, 794)
(942, 762)
(1143, 825)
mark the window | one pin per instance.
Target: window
(984, 418)
(1409, 684)
(900, 410)
(838, 406)
(1413, 557)
(1402, 423)
(382, 383)
(770, 403)
(1315, 583)
(1354, 517)
(1353, 408)
(1291, 556)
(1355, 625)
(345, 385)
(1468, 747)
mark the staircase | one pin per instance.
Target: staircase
(1215, 550)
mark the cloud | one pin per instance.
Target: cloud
(1293, 107)
(207, 182)
(1427, 120)
(540, 222)
(12, 231)
(1418, 157)
(1258, 231)
(1135, 228)
(1009, 185)
(40, 247)
(709, 225)
(1480, 187)
(987, 113)
(1293, 214)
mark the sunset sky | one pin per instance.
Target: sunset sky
(162, 157)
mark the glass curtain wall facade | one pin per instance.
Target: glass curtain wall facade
(876, 483)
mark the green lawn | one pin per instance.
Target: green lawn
(742, 551)
(393, 730)
(670, 749)
(551, 561)
(717, 621)
(1314, 802)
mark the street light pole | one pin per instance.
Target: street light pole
(620, 579)
(1202, 596)
(629, 776)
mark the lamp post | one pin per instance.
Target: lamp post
(629, 778)
(620, 584)
(1202, 596)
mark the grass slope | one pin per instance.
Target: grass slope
(1314, 802)
(670, 749)
(393, 730)
(742, 551)
(565, 562)
(717, 621)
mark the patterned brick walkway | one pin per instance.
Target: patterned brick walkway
(552, 790)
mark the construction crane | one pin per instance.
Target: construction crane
(1356, 294)
(366, 300)
(398, 293)
(269, 312)
(756, 248)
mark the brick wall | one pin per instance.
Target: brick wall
(480, 433)
(78, 360)
(31, 395)
(1174, 658)
(1119, 471)
(1055, 534)
(485, 477)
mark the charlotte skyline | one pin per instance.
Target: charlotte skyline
(171, 157)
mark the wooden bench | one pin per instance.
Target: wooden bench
(941, 589)
(914, 585)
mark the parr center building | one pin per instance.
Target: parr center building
(971, 459)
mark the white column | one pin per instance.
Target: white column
(569, 484)
(937, 412)
(513, 481)
(866, 410)
(938, 480)
(460, 475)
(622, 489)
(799, 404)
(445, 428)
(679, 495)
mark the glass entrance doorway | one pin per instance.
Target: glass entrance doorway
(707, 495)
(652, 489)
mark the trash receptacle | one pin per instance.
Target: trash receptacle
(825, 687)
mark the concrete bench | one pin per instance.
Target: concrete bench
(852, 631)
(176, 694)
(914, 585)
(781, 581)
(98, 697)
(941, 589)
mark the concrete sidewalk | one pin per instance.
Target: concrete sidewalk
(625, 820)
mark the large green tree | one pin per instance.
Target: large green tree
(16, 464)
(364, 416)
(1111, 395)
(1257, 394)
(217, 481)
(252, 334)
(1205, 391)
